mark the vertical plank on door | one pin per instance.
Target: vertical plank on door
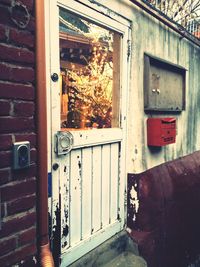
(96, 189)
(64, 190)
(105, 184)
(114, 155)
(75, 197)
(86, 192)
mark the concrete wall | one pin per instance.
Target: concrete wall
(151, 36)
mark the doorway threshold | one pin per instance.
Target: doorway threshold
(120, 250)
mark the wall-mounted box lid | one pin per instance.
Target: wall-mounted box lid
(164, 85)
(168, 123)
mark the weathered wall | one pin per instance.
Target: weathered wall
(17, 110)
(163, 201)
(151, 36)
(17, 123)
(163, 205)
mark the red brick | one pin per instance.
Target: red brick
(33, 155)
(15, 54)
(27, 237)
(4, 176)
(28, 3)
(5, 159)
(31, 25)
(8, 2)
(22, 74)
(21, 204)
(3, 36)
(5, 16)
(16, 91)
(8, 124)
(4, 71)
(24, 109)
(24, 173)
(18, 224)
(15, 73)
(4, 107)
(23, 38)
(18, 190)
(3, 210)
(18, 255)
(7, 245)
(26, 137)
(5, 142)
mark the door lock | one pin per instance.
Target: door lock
(63, 142)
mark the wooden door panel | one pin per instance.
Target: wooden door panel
(89, 180)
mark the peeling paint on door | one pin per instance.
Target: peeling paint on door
(56, 240)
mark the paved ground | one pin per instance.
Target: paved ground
(126, 259)
(118, 251)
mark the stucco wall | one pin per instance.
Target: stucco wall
(153, 37)
(156, 39)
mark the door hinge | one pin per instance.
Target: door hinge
(128, 48)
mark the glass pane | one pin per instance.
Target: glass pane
(89, 77)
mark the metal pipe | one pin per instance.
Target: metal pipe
(165, 21)
(45, 255)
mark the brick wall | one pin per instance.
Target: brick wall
(17, 123)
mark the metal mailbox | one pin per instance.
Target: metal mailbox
(161, 131)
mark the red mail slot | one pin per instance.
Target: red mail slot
(161, 131)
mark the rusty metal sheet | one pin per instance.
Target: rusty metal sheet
(167, 219)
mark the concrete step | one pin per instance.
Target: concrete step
(118, 251)
(126, 259)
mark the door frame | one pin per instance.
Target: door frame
(98, 14)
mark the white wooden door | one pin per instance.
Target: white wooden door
(89, 180)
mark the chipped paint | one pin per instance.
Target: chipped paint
(56, 230)
(83, 180)
(65, 206)
(134, 201)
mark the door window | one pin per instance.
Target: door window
(90, 74)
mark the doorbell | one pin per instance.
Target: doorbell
(21, 155)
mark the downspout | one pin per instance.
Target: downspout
(45, 255)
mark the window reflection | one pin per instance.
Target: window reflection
(87, 59)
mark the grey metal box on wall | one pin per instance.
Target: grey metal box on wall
(164, 85)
